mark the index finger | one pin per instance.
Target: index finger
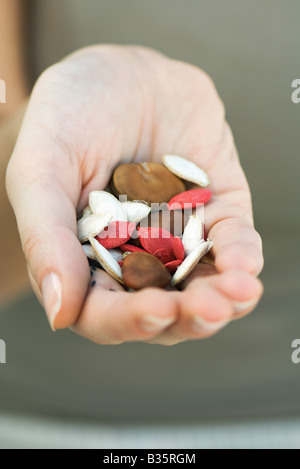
(43, 184)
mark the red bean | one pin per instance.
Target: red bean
(115, 234)
(189, 199)
(173, 265)
(130, 248)
(164, 255)
(178, 248)
(154, 238)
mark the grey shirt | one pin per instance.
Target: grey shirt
(251, 50)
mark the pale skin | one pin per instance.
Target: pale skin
(97, 108)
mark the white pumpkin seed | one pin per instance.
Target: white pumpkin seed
(87, 211)
(89, 251)
(116, 253)
(193, 234)
(106, 260)
(135, 211)
(186, 169)
(91, 225)
(104, 203)
(190, 261)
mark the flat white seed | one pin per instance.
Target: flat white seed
(104, 203)
(89, 251)
(186, 169)
(116, 253)
(87, 211)
(210, 244)
(135, 211)
(193, 234)
(190, 261)
(91, 225)
(106, 260)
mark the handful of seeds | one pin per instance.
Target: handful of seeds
(153, 234)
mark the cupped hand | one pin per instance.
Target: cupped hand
(101, 106)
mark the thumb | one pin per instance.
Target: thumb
(46, 218)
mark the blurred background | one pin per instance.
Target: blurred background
(243, 378)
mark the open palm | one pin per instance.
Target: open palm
(101, 106)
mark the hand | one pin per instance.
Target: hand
(101, 106)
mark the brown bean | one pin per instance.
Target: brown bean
(149, 181)
(141, 270)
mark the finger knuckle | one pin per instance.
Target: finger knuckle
(31, 240)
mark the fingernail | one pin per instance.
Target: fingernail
(51, 291)
(240, 306)
(202, 325)
(155, 324)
